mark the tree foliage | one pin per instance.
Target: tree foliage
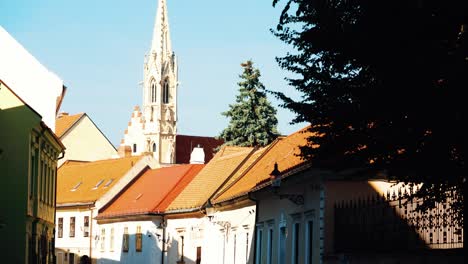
(382, 85)
(252, 118)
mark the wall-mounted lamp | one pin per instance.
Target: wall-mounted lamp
(275, 178)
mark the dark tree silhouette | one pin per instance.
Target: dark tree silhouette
(383, 86)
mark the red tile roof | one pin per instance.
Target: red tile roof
(152, 192)
(185, 145)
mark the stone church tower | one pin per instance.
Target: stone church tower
(153, 128)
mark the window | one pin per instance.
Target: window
(98, 184)
(134, 148)
(72, 226)
(258, 258)
(76, 187)
(108, 183)
(86, 226)
(246, 247)
(59, 257)
(166, 92)
(153, 91)
(282, 245)
(60, 227)
(154, 147)
(270, 246)
(309, 242)
(125, 240)
(72, 258)
(111, 240)
(103, 239)
(138, 240)
(198, 261)
(295, 245)
(234, 253)
(34, 170)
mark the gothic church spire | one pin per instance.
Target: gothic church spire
(161, 44)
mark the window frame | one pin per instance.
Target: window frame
(60, 227)
(72, 226)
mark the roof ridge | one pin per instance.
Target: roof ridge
(97, 162)
(252, 151)
(187, 170)
(250, 167)
(81, 115)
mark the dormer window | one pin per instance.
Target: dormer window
(108, 183)
(98, 184)
(76, 187)
(165, 95)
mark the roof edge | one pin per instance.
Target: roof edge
(249, 168)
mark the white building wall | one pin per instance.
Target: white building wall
(225, 238)
(108, 252)
(28, 78)
(79, 244)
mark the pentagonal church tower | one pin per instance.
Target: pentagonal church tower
(153, 128)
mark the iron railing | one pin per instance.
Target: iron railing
(392, 222)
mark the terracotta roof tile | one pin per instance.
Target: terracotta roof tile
(63, 123)
(284, 151)
(215, 173)
(85, 176)
(152, 191)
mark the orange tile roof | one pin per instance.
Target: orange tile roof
(87, 175)
(63, 123)
(152, 191)
(223, 165)
(247, 164)
(283, 151)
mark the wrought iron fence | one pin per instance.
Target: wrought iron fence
(391, 222)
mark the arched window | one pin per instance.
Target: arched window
(165, 94)
(154, 147)
(153, 91)
(134, 148)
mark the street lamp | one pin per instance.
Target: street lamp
(275, 179)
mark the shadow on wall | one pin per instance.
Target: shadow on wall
(66, 257)
(375, 221)
(16, 124)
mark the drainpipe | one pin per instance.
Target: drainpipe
(254, 235)
(163, 242)
(55, 201)
(90, 235)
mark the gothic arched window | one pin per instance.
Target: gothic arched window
(154, 147)
(165, 95)
(153, 91)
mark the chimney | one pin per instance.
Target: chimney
(124, 151)
(198, 155)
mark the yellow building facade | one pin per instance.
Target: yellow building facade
(29, 151)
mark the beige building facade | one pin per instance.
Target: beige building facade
(83, 139)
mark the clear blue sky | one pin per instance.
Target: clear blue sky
(97, 47)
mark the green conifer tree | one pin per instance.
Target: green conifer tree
(252, 118)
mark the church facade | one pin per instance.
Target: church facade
(153, 127)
